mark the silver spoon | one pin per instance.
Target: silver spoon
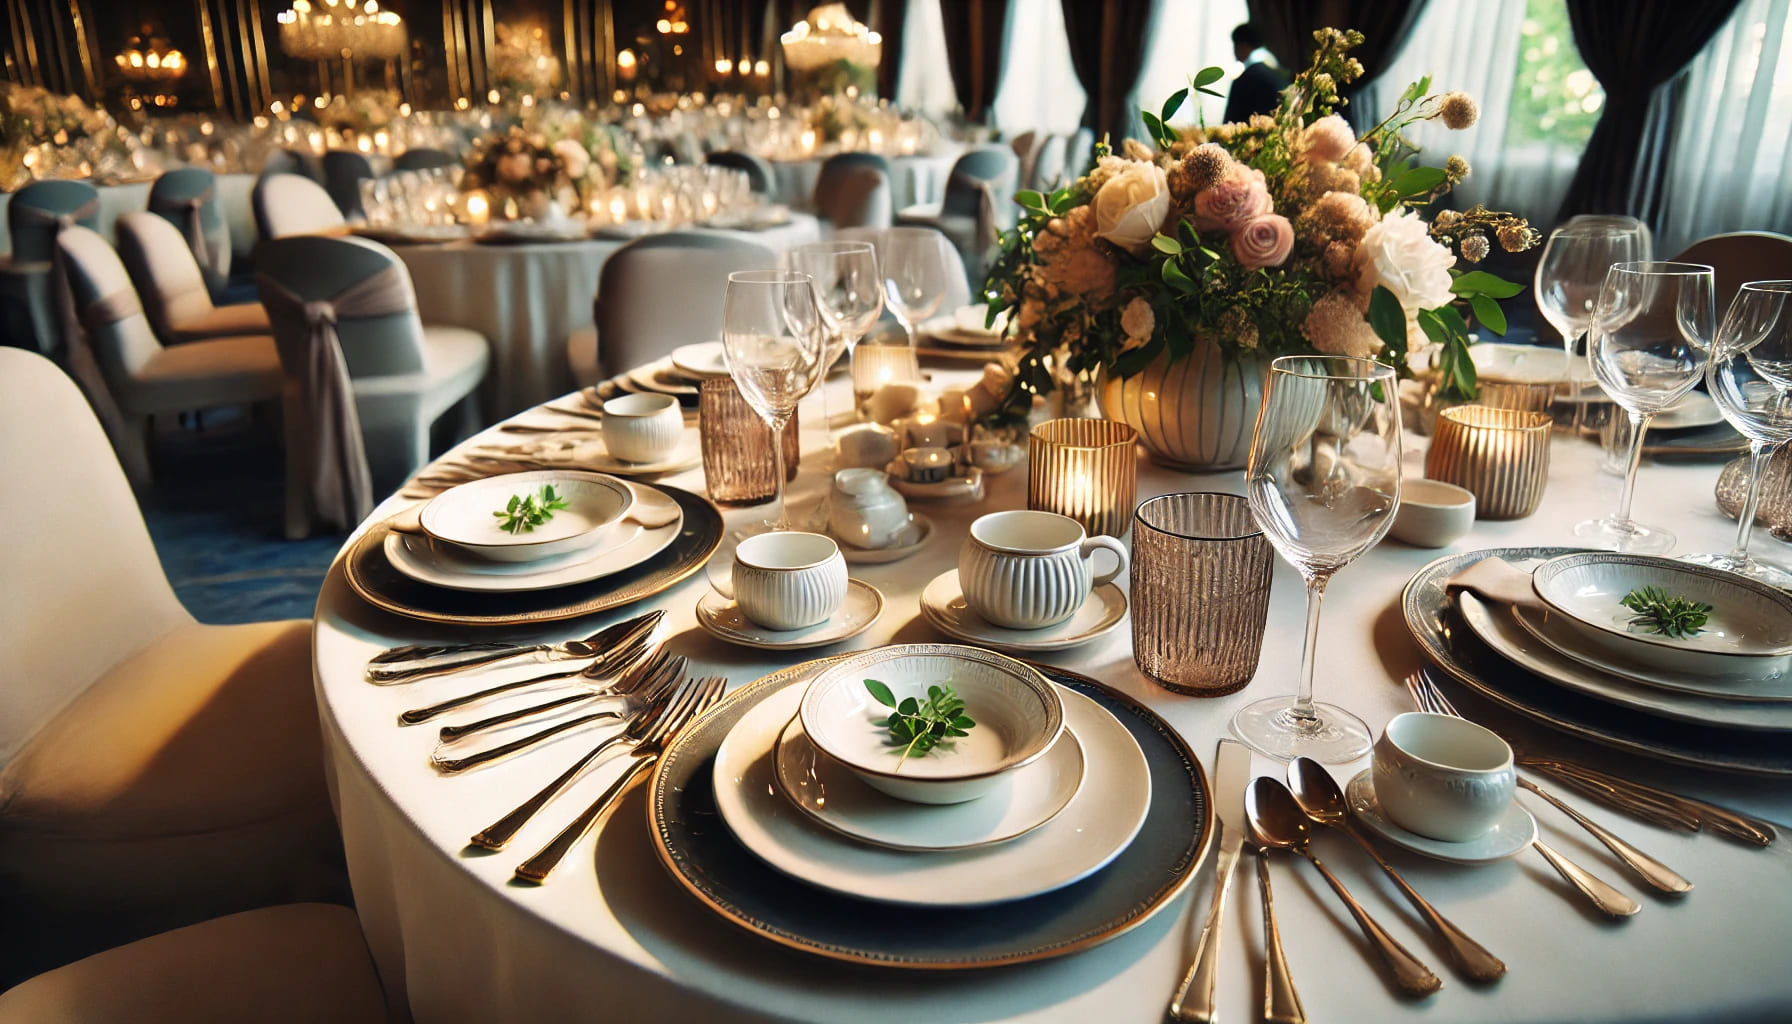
(1318, 795)
(1276, 820)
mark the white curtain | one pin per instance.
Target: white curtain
(1733, 133)
(925, 79)
(1039, 90)
(1187, 37)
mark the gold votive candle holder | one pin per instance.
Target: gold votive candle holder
(1200, 592)
(1505, 394)
(738, 468)
(1501, 456)
(1085, 469)
(873, 366)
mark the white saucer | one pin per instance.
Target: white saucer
(723, 618)
(1506, 839)
(704, 359)
(954, 488)
(689, 453)
(942, 603)
(1098, 823)
(915, 537)
(1021, 802)
(624, 546)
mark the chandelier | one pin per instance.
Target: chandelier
(150, 60)
(339, 29)
(830, 35)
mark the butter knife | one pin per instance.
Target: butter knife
(1194, 1002)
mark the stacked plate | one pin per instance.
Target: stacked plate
(661, 377)
(1571, 658)
(1062, 788)
(965, 328)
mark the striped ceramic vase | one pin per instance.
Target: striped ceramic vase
(1196, 413)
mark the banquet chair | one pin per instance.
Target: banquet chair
(345, 317)
(1049, 167)
(760, 176)
(297, 963)
(975, 207)
(130, 376)
(187, 198)
(173, 290)
(657, 293)
(37, 214)
(1740, 257)
(1078, 153)
(853, 192)
(958, 286)
(154, 771)
(344, 170)
(423, 158)
(292, 204)
(1026, 148)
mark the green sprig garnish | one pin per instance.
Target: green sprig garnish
(524, 512)
(1666, 614)
(919, 726)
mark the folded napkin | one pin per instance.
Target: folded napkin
(1496, 579)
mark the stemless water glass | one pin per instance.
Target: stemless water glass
(773, 338)
(1572, 270)
(917, 264)
(1324, 483)
(1648, 342)
(1750, 378)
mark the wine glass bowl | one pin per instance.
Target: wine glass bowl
(917, 263)
(773, 340)
(1571, 271)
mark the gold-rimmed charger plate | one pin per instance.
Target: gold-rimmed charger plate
(712, 865)
(380, 584)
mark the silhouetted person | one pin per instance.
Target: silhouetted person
(1258, 88)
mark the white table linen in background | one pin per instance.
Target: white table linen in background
(914, 179)
(526, 299)
(612, 937)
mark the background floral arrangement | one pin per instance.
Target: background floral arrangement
(367, 111)
(46, 135)
(593, 156)
(521, 173)
(1285, 234)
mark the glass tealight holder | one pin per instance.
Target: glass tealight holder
(1085, 469)
(737, 446)
(873, 366)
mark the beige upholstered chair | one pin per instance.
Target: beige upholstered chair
(1026, 148)
(154, 771)
(853, 193)
(299, 963)
(291, 204)
(129, 375)
(1740, 257)
(173, 288)
(977, 206)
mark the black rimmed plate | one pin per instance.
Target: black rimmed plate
(1433, 620)
(703, 855)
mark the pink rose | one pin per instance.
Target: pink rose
(1232, 202)
(1264, 242)
(1328, 138)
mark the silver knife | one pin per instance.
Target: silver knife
(1194, 1001)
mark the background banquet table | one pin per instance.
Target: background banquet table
(526, 299)
(612, 937)
(913, 179)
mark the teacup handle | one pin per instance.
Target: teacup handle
(1122, 560)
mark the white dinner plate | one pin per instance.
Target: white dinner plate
(704, 359)
(723, 618)
(661, 377)
(954, 488)
(1552, 632)
(1499, 629)
(1022, 801)
(1522, 364)
(1100, 820)
(1506, 839)
(464, 515)
(1696, 409)
(942, 603)
(625, 545)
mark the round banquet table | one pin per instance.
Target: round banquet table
(611, 936)
(526, 300)
(914, 179)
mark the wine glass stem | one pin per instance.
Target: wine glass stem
(1745, 520)
(778, 423)
(1302, 712)
(1639, 425)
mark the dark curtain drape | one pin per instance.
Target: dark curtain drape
(888, 17)
(1107, 48)
(976, 45)
(1287, 27)
(1632, 48)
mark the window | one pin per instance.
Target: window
(1039, 89)
(925, 81)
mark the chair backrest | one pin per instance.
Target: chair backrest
(33, 238)
(662, 291)
(343, 171)
(854, 195)
(124, 346)
(1741, 257)
(991, 166)
(1049, 165)
(85, 588)
(1079, 152)
(1026, 147)
(840, 162)
(291, 204)
(319, 268)
(422, 159)
(172, 197)
(167, 277)
(760, 175)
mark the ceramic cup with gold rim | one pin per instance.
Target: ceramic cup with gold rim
(1501, 456)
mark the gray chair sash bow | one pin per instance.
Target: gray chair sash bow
(189, 215)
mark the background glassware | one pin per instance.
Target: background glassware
(1572, 270)
(849, 290)
(1200, 592)
(1749, 377)
(773, 338)
(917, 263)
(735, 438)
(1323, 483)
(1648, 342)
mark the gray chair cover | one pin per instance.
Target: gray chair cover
(291, 204)
(758, 170)
(854, 190)
(344, 170)
(32, 282)
(1026, 148)
(422, 159)
(1049, 171)
(187, 198)
(663, 291)
(173, 287)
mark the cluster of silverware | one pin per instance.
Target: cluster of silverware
(620, 674)
(1274, 816)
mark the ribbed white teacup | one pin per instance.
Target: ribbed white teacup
(788, 580)
(642, 428)
(1025, 569)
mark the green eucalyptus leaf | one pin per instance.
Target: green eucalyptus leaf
(880, 693)
(1177, 278)
(1208, 76)
(1481, 282)
(1388, 318)
(1418, 181)
(1174, 103)
(1165, 244)
(1489, 313)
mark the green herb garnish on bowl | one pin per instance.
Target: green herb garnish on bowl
(1666, 614)
(919, 726)
(524, 512)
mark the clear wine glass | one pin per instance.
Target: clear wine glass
(917, 264)
(1324, 483)
(1649, 341)
(1750, 379)
(850, 291)
(773, 338)
(1570, 273)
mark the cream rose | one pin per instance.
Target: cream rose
(1328, 138)
(1263, 242)
(1398, 253)
(573, 157)
(1132, 205)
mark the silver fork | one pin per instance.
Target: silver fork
(606, 688)
(537, 868)
(659, 681)
(619, 663)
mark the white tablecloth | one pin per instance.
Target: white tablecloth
(914, 179)
(526, 299)
(612, 937)
(115, 200)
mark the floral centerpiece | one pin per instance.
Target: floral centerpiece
(1238, 242)
(520, 173)
(594, 156)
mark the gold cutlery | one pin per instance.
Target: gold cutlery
(421, 661)
(1275, 820)
(1281, 1003)
(1194, 1001)
(1318, 796)
(1609, 900)
(639, 655)
(1595, 783)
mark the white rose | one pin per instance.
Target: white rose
(573, 157)
(1132, 205)
(1398, 252)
